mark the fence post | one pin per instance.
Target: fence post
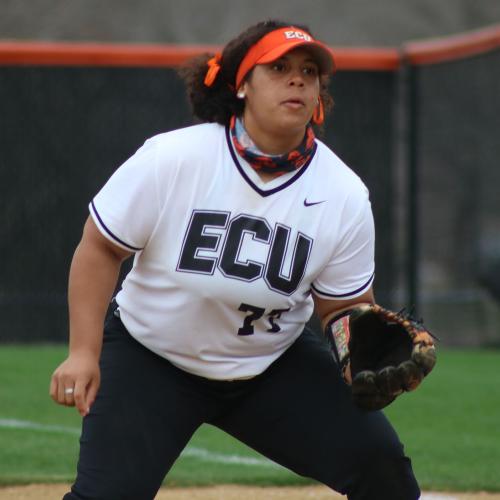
(413, 298)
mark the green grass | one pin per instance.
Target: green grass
(451, 425)
(450, 428)
(49, 455)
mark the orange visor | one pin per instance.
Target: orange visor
(278, 42)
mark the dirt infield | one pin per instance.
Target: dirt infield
(227, 492)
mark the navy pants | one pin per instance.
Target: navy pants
(298, 413)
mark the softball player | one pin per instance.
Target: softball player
(239, 228)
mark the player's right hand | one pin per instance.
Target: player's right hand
(75, 382)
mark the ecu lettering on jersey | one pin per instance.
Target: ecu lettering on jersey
(229, 262)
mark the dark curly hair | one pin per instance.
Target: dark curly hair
(218, 102)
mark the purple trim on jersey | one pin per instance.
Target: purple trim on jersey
(249, 181)
(343, 295)
(135, 249)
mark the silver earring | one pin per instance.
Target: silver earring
(240, 94)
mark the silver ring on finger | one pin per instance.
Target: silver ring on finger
(69, 390)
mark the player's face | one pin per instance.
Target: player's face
(280, 97)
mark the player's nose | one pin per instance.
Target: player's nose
(296, 79)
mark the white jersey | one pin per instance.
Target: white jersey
(225, 263)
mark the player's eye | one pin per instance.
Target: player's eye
(310, 71)
(279, 67)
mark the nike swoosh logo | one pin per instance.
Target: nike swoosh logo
(310, 204)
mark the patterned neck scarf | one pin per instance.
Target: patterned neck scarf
(278, 164)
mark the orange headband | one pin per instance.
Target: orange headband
(278, 42)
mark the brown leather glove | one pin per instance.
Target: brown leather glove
(381, 353)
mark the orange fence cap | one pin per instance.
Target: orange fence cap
(97, 54)
(17, 53)
(359, 58)
(437, 50)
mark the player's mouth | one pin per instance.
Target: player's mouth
(293, 103)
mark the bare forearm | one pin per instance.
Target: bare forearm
(92, 280)
(328, 309)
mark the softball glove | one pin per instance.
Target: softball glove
(381, 353)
